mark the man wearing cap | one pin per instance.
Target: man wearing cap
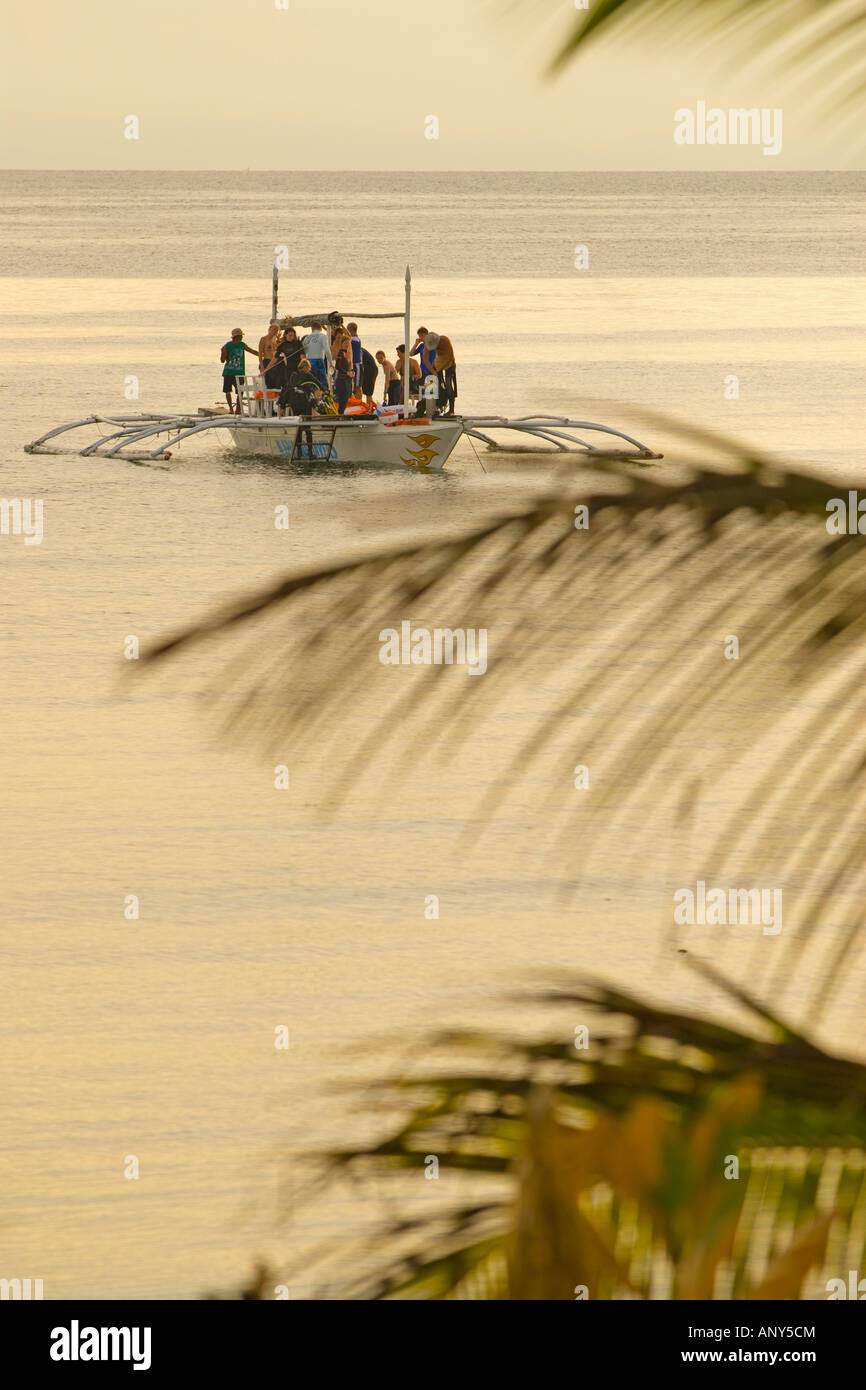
(445, 368)
(234, 365)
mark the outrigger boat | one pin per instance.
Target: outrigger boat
(402, 439)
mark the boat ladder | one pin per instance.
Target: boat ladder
(306, 428)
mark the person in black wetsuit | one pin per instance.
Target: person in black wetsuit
(302, 385)
(342, 350)
(369, 372)
(289, 353)
(304, 390)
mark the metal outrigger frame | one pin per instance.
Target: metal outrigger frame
(131, 430)
(134, 429)
(557, 430)
(138, 438)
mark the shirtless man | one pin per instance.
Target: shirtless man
(392, 379)
(414, 371)
(268, 351)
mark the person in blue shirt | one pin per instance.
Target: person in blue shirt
(356, 352)
(423, 353)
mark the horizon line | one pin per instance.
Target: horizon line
(21, 169)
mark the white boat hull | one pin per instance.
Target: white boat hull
(357, 442)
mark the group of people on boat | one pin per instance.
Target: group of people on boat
(329, 371)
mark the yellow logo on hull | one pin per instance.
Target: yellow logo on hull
(424, 454)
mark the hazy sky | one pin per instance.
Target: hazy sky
(335, 84)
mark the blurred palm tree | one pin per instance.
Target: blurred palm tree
(824, 41)
(664, 576)
(672, 1157)
(645, 1153)
(612, 1169)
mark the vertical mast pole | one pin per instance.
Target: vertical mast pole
(275, 291)
(407, 371)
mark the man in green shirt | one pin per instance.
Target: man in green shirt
(234, 365)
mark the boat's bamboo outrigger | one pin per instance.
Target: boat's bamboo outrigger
(557, 430)
(284, 436)
(356, 440)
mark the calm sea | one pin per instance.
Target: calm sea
(153, 1038)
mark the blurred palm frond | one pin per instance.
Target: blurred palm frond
(672, 1157)
(667, 575)
(824, 40)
